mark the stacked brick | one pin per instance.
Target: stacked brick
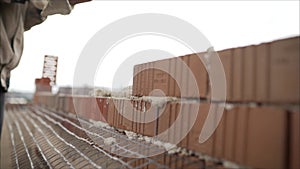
(260, 125)
(43, 85)
(265, 73)
(169, 75)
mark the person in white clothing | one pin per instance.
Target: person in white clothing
(17, 16)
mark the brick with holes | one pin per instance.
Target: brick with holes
(150, 119)
(163, 122)
(249, 75)
(207, 146)
(241, 134)
(266, 138)
(238, 74)
(199, 74)
(126, 112)
(284, 71)
(230, 116)
(184, 75)
(111, 112)
(161, 77)
(135, 81)
(294, 140)
(219, 140)
(262, 82)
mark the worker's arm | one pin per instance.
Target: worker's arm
(60, 6)
(38, 10)
(74, 2)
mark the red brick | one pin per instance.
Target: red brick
(100, 107)
(262, 72)
(71, 108)
(249, 73)
(163, 122)
(230, 133)
(83, 109)
(241, 134)
(87, 109)
(226, 58)
(116, 113)
(158, 158)
(189, 113)
(175, 162)
(141, 116)
(238, 74)
(206, 147)
(294, 144)
(102, 112)
(150, 128)
(191, 162)
(137, 127)
(95, 110)
(177, 123)
(150, 77)
(173, 115)
(266, 135)
(285, 72)
(90, 108)
(79, 106)
(167, 160)
(43, 85)
(138, 77)
(219, 139)
(143, 78)
(120, 114)
(179, 161)
(121, 111)
(105, 109)
(127, 123)
(178, 76)
(184, 75)
(75, 103)
(184, 124)
(161, 77)
(135, 124)
(199, 74)
(50, 100)
(146, 77)
(172, 81)
(60, 102)
(110, 114)
(135, 82)
(66, 104)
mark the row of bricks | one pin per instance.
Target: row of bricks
(43, 85)
(267, 73)
(260, 137)
(249, 136)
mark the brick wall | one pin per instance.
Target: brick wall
(265, 73)
(260, 125)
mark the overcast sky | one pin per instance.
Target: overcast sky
(225, 24)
